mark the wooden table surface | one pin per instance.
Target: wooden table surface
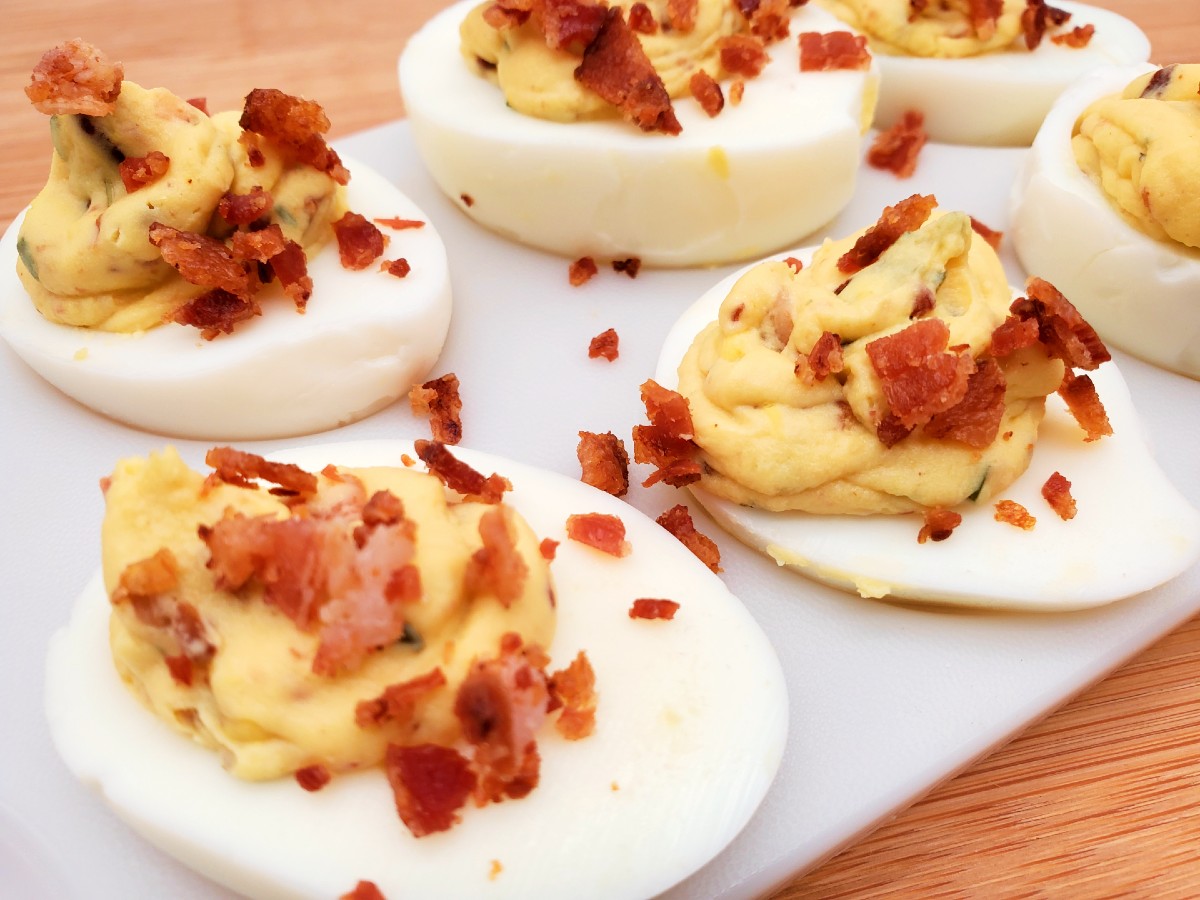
(1101, 799)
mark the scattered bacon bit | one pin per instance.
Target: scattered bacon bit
(939, 524)
(497, 567)
(255, 157)
(360, 243)
(467, 199)
(983, 15)
(630, 266)
(603, 461)
(398, 267)
(290, 266)
(399, 224)
(648, 608)
(1158, 83)
(896, 149)
(201, 103)
(105, 484)
(574, 690)
(431, 784)
(75, 77)
(382, 508)
(681, 15)
(769, 19)
(458, 476)
(828, 51)
(907, 215)
(1079, 393)
(890, 431)
(1057, 491)
(666, 443)
(244, 209)
(642, 20)
(148, 577)
(796, 265)
(364, 890)
(974, 420)
(570, 25)
(439, 399)
(920, 377)
(604, 345)
(202, 260)
(924, 303)
(600, 530)
(742, 54)
(1035, 19)
(548, 549)
(1061, 327)
(678, 521)
(1013, 334)
(260, 245)
(508, 13)
(737, 90)
(313, 778)
(617, 69)
(295, 126)
(990, 235)
(397, 701)
(1077, 38)
(824, 359)
(707, 92)
(139, 171)
(1013, 513)
(238, 467)
(582, 271)
(215, 312)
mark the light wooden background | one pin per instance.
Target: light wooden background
(1102, 799)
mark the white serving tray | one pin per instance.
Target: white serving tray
(886, 700)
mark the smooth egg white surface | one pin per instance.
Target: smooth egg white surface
(1133, 530)
(999, 99)
(756, 177)
(690, 730)
(364, 340)
(1141, 294)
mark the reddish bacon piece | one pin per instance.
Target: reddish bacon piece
(203, 261)
(360, 243)
(823, 360)
(907, 215)
(296, 127)
(431, 784)
(244, 209)
(260, 245)
(1057, 491)
(399, 224)
(1013, 513)
(983, 15)
(458, 476)
(666, 443)
(75, 78)
(312, 778)
(642, 20)
(290, 266)
(496, 568)
(397, 702)
(1077, 38)
(573, 689)
(439, 399)
(897, 149)
(990, 235)
(795, 264)
(382, 508)
(974, 420)
(603, 462)
(617, 69)
(742, 54)
(582, 271)
(600, 530)
(630, 266)
(148, 577)
(919, 377)
(1037, 17)
(829, 51)
(678, 521)
(1066, 334)
(1079, 393)
(139, 171)
(201, 103)
(707, 93)
(508, 13)
(604, 345)
(216, 312)
(649, 608)
(571, 25)
(364, 890)
(398, 267)
(681, 15)
(736, 91)
(1013, 334)
(768, 19)
(548, 549)
(939, 525)
(238, 468)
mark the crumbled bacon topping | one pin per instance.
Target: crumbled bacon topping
(1061, 327)
(919, 376)
(245, 209)
(548, 549)
(897, 149)
(497, 567)
(795, 264)
(582, 271)
(600, 530)
(768, 19)
(603, 461)
(139, 171)
(239, 468)
(439, 399)
(641, 19)
(1013, 513)
(260, 245)
(1079, 393)
(201, 103)
(617, 69)
(630, 266)
(742, 54)
(990, 235)
(907, 215)
(1037, 17)
(652, 608)
(431, 783)
(823, 360)
(215, 312)
(890, 431)
(203, 261)
(458, 476)
(359, 241)
(573, 690)
(1077, 38)
(604, 345)
(290, 266)
(570, 25)
(983, 15)
(364, 890)
(939, 525)
(398, 224)
(707, 92)
(312, 778)
(398, 267)
(737, 89)
(148, 577)
(397, 702)
(1057, 492)
(681, 15)
(296, 127)
(75, 78)
(678, 521)
(1013, 334)
(666, 443)
(828, 51)
(974, 420)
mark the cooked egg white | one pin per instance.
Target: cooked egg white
(1140, 293)
(1000, 98)
(758, 176)
(1133, 530)
(364, 340)
(691, 723)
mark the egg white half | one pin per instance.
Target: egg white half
(364, 340)
(691, 724)
(999, 99)
(1140, 294)
(758, 176)
(1133, 530)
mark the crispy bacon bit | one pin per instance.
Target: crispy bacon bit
(467, 200)
(75, 77)
(439, 399)
(649, 608)
(829, 51)
(1013, 334)
(630, 266)
(681, 15)
(603, 462)
(990, 235)
(397, 702)
(296, 127)
(431, 784)
(548, 549)
(907, 215)
(616, 67)
(890, 431)
(983, 15)
(604, 345)
(737, 90)
(974, 420)
(360, 243)
(742, 54)
(215, 312)
(260, 245)
(458, 476)
(824, 359)
(1036, 18)
(399, 224)
(202, 260)
(769, 19)
(383, 508)
(290, 266)
(398, 267)
(238, 467)
(201, 103)
(1158, 83)
(666, 443)
(364, 890)
(1077, 38)
(582, 271)
(919, 376)
(1061, 327)
(600, 530)
(1013, 513)
(796, 265)
(1079, 393)
(678, 521)
(244, 209)
(924, 303)
(497, 567)
(1057, 491)
(139, 171)
(255, 157)
(313, 778)
(148, 577)
(896, 149)
(570, 25)
(508, 13)
(642, 20)
(939, 524)
(573, 689)
(707, 92)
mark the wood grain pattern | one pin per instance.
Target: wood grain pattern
(1101, 799)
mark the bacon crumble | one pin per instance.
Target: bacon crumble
(630, 266)
(75, 78)
(975, 419)
(833, 50)
(582, 271)
(1057, 492)
(602, 531)
(1077, 38)
(430, 783)
(678, 521)
(1079, 393)
(573, 690)
(604, 345)
(652, 608)
(202, 261)
(642, 20)
(939, 525)
(823, 360)
(707, 92)
(1013, 513)
(239, 468)
(215, 312)
(667, 442)
(919, 376)
(139, 171)
(742, 54)
(1036, 18)
(398, 224)
(458, 476)
(245, 209)
(990, 235)
(397, 702)
(896, 149)
(296, 127)
(359, 241)
(312, 778)
(439, 399)
(496, 568)
(398, 267)
(907, 215)
(681, 15)
(603, 462)
(364, 890)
